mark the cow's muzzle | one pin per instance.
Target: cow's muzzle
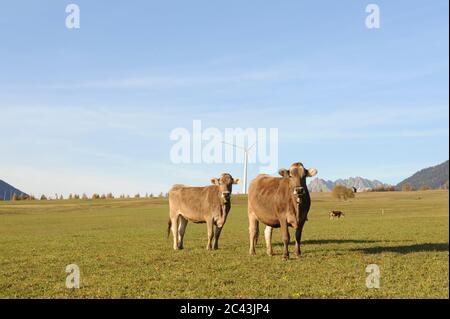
(299, 191)
(226, 197)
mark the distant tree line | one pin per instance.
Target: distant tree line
(384, 188)
(84, 196)
(343, 193)
(407, 187)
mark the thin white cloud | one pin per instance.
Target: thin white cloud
(167, 81)
(308, 124)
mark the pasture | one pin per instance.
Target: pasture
(122, 250)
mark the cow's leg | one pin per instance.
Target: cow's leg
(268, 237)
(256, 234)
(285, 234)
(181, 230)
(216, 237)
(174, 221)
(298, 234)
(253, 225)
(210, 228)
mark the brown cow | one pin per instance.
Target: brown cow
(336, 214)
(279, 202)
(209, 204)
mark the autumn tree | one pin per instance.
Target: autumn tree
(342, 192)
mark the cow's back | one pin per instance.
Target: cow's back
(194, 202)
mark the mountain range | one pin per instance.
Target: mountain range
(433, 177)
(361, 184)
(7, 191)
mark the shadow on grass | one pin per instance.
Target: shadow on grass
(330, 241)
(405, 249)
(339, 241)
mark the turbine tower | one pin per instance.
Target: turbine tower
(246, 151)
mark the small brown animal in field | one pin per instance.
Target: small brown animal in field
(336, 214)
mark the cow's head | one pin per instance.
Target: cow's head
(225, 183)
(297, 175)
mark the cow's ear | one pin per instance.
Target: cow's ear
(312, 172)
(283, 172)
(215, 181)
(236, 180)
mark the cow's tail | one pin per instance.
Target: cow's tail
(257, 233)
(169, 225)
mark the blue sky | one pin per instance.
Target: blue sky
(91, 110)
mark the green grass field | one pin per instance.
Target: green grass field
(122, 251)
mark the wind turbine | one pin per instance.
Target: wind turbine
(246, 151)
